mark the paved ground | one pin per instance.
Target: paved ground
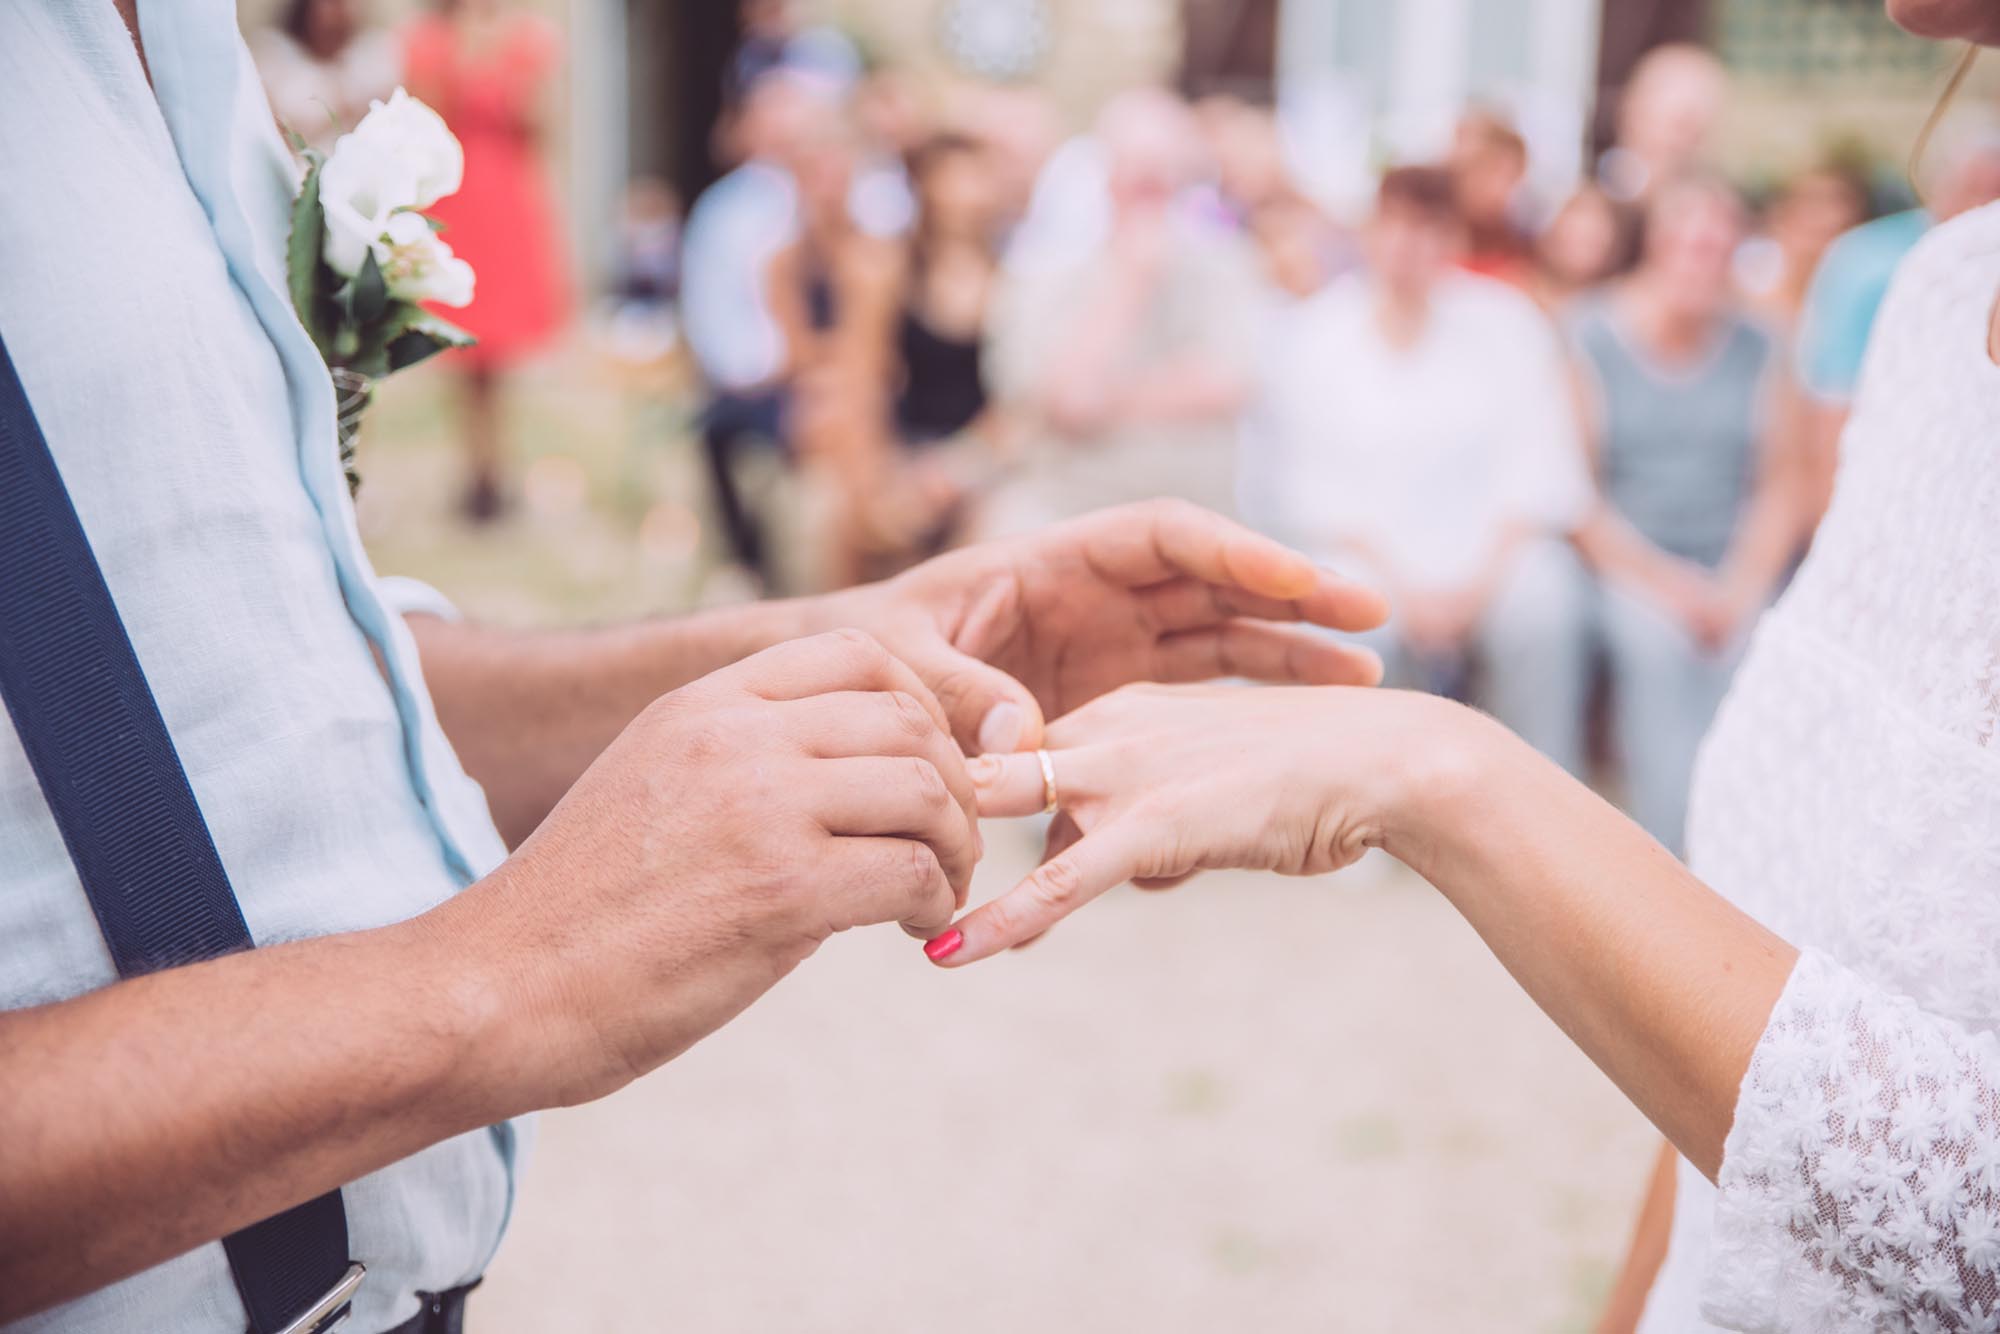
(1249, 1105)
(1252, 1104)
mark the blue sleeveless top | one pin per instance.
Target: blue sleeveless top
(1678, 444)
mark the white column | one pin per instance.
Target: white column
(1429, 70)
(599, 154)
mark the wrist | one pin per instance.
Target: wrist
(1448, 761)
(498, 1017)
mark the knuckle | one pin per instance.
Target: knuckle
(1057, 883)
(858, 646)
(921, 871)
(911, 715)
(929, 783)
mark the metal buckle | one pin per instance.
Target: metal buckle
(330, 1311)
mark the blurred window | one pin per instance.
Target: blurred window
(1821, 41)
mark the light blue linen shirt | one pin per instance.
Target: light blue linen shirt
(142, 299)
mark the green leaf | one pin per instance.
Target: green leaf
(426, 336)
(407, 335)
(302, 253)
(369, 296)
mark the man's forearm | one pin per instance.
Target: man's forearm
(528, 711)
(161, 1113)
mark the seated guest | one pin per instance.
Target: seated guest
(1582, 245)
(1414, 423)
(1123, 348)
(1806, 215)
(1690, 414)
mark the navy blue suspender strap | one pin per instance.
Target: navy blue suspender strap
(94, 736)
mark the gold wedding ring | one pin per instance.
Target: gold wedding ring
(1050, 797)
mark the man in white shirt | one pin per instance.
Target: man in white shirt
(694, 803)
(1414, 425)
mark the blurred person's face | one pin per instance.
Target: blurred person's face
(1019, 131)
(1486, 180)
(330, 25)
(1950, 20)
(1672, 110)
(960, 194)
(766, 18)
(1691, 239)
(1289, 238)
(1243, 142)
(1147, 138)
(777, 120)
(1814, 211)
(1580, 244)
(1410, 249)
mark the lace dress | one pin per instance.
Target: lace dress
(1849, 797)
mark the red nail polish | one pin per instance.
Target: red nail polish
(944, 946)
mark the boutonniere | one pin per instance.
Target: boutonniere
(362, 255)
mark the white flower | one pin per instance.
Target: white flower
(418, 266)
(399, 157)
(410, 131)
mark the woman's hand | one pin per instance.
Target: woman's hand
(1158, 782)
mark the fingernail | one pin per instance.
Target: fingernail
(982, 769)
(944, 946)
(1000, 730)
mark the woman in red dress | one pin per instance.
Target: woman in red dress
(487, 70)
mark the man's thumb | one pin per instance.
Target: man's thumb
(989, 710)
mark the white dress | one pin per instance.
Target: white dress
(1849, 798)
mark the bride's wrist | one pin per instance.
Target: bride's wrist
(1450, 760)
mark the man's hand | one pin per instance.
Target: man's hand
(731, 828)
(1009, 633)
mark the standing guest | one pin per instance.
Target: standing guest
(1808, 213)
(736, 230)
(1667, 117)
(1689, 411)
(487, 70)
(322, 66)
(1126, 355)
(1489, 162)
(1581, 247)
(834, 294)
(1961, 173)
(945, 435)
(948, 284)
(1415, 425)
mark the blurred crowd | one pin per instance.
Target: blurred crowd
(1581, 440)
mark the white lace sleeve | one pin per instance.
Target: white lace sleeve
(1860, 1184)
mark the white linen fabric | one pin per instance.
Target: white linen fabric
(1422, 455)
(143, 303)
(1849, 798)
